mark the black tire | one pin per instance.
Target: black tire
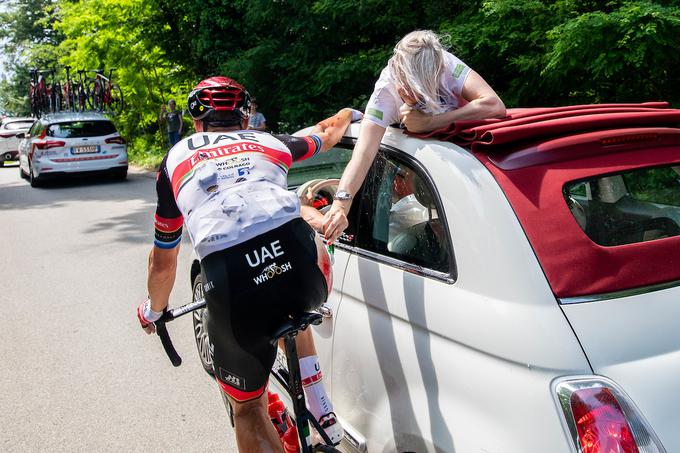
(115, 106)
(94, 96)
(200, 318)
(35, 181)
(2, 162)
(22, 174)
(120, 174)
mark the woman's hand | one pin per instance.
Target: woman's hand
(415, 120)
(334, 222)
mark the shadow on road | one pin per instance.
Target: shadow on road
(138, 192)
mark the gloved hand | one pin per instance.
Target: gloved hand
(147, 316)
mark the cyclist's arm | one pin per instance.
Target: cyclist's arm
(331, 130)
(168, 234)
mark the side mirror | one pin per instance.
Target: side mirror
(21, 135)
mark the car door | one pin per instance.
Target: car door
(326, 166)
(401, 254)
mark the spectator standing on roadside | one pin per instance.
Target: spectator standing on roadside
(257, 119)
(173, 121)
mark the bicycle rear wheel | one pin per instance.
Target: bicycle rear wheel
(115, 104)
(95, 96)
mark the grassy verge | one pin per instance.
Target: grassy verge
(145, 151)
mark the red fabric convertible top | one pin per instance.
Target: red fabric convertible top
(533, 153)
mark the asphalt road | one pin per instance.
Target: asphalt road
(76, 371)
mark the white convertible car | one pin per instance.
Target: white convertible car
(513, 289)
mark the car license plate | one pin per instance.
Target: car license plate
(85, 149)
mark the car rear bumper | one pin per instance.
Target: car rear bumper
(79, 164)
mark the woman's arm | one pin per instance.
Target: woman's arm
(363, 155)
(483, 103)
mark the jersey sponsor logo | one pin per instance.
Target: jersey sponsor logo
(375, 113)
(259, 256)
(232, 379)
(204, 140)
(185, 169)
(458, 70)
(272, 271)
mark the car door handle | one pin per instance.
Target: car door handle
(325, 311)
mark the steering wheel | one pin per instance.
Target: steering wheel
(322, 192)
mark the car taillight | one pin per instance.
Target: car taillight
(602, 419)
(47, 144)
(600, 422)
(116, 140)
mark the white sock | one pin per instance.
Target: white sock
(318, 401)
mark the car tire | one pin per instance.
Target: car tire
(200, 317)
(120, 173)
(2, 162)
(34, 180)
(22, 173)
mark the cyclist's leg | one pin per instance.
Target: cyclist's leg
(242, 353)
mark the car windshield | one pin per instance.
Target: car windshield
(636, 206)
(322, 166)
(74, 129)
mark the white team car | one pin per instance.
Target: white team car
(517, 293)
(63, 144)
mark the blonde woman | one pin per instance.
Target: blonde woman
(423, 87)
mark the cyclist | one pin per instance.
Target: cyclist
(260, 261)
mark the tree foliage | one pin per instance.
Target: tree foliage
(306, 59)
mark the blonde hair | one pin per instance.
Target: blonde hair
(417, 64)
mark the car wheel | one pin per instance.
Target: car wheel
(34, 180)
(22, 173)
(200, 316)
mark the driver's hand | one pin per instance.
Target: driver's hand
(334, 222)
(147, 316)
(307, 198)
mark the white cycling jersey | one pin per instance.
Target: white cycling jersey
(227, 187)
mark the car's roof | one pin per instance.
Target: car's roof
(534, 153)
(73, 116)
(17, 119)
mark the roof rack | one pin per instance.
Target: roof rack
(521, 125)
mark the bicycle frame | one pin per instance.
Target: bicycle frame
(292, 383)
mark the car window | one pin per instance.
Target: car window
(74, 129)
(400, 217)
(635, 206)
(18, 125)
(328, 165)
(36, 129)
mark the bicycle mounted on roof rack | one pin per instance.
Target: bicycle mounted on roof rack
(98, 93)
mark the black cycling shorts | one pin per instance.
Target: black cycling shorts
(250, 290)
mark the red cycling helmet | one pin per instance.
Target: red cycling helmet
(219, 101)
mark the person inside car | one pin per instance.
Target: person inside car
(424, 88)
(260, 261)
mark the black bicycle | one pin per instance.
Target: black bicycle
(289, 379)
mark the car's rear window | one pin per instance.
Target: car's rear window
(74, 129)
(16, 125)
(626, 208)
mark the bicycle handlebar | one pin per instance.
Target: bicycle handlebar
(162, 331)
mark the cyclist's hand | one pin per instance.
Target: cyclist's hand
(147, 316)
(334, 222)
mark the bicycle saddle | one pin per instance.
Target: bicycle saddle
(295, 324)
